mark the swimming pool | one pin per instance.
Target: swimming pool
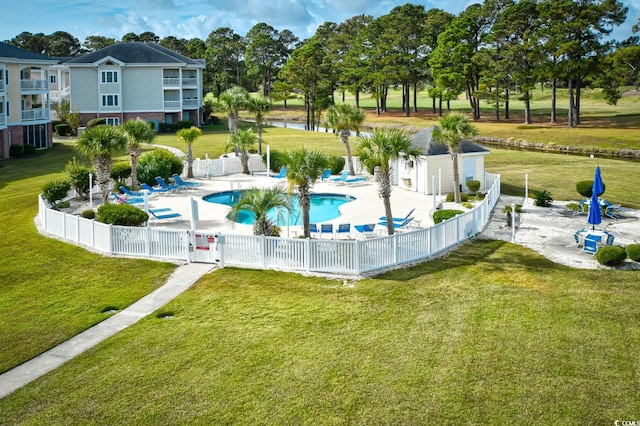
(324, 207)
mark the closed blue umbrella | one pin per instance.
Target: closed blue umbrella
(595, 216)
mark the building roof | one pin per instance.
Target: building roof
(136, 53)
(8, 51)
(424, 139)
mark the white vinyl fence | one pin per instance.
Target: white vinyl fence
(345, 258)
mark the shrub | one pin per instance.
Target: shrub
(277, 160)
(78, 176)
(16, 151)
(159, 162)
(451, 197)
(29, 149)
(121, 214)
(584, 188)
(117, 184)
(184, 124)
(633, 252)
(467, 205)
(88, 214)
(442, 215)
(213, 119)
(120, 171)
(96, 122)
(167, 127)
(63, 205)
(542, 198)
(611, 256)
(55, 190)
(473, 185)
(335, 163)
(63, 129)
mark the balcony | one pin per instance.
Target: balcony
(171, 81)
(34, 85)
(190, 103)
(190, 81)
(172, 105)
(1, 84)
(3, 120)
(58, 95)
(35, 114)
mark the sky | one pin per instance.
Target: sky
(189, 19)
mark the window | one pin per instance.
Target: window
(52, 79)
(112, 121)
(109, 76)
(109, 100)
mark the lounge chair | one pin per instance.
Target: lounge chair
(344, 178)
(165, 185)
(163, 215)
(399, 219)
(130, 193)
(366, 230)
(178, 180)
(313, 228)
(153, 190)
(343, 228)
(127, 200)
(591, 244)
(341, 178)
(326, 228)
(326, 174)
(397, 225)
(282, 174)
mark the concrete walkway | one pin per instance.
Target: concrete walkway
(182, 278)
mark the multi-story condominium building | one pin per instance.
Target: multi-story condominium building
(127, 81)
(24, 99)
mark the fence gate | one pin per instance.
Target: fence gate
(204, 247)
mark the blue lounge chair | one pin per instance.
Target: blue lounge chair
(164, 185)
(164, 215)
(313, 228)
(282, 174)
(130, 193)
(344, 178)
(326, 228)
(178, 180)
(153, 190)
(326, 174)
(343, 228)
(399, 219)
(366, 230)
(127, 200)
(591, 244)
(397, 225)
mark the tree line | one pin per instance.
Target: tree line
(495, 52)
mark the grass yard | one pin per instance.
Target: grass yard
(50, 290)
(491, 334)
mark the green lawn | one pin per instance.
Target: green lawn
(491, 334)
(50, 290)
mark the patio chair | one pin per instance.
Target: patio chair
(581, 204)
(326, 228)
(576, 236)
(178, 180)
(153, 190)
(397, 225)
(399, 219)
(127, 200)
(610, 238)
(282, 174)
(343, 228)
(610, 209)
(165, 185)
(313, 228)
(163, 215)
(130, 193)
(366, 230)
(326, 174)
(591, 244)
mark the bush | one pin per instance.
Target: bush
(167, 127)
(96, 122)
(16, 151)
(584, 188)
(542, 198)
(451, 197)
(467, 205)
(121, 171)
(335, 163)
(63, 129)
(159, 162)
(55, 190)
(473, 185)
(121, 214)
(442, 215)
(213, 120)
(78, 176)
(277, 160)
(184, 124)
(633, 252)
(611, 256)
(117, 184)
(29, 149)
(88, 214)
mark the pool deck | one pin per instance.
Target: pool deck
(367, 208)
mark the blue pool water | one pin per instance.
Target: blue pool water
(324, 207)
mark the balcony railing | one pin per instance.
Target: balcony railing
(3, 120)
(34, 84)
(190, 103)
(35, 114)
(58, 95)
(189, 81)
(172, 104)
(1, 84)
(171, 81)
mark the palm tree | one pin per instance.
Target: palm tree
(305, 166)
(101, 143)
(242, 142)
(454, 127)
(258, 107)
(137, 132)
(259, 201)
(344, 119)
(232, 101)
(189, 136)
(379, 150)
